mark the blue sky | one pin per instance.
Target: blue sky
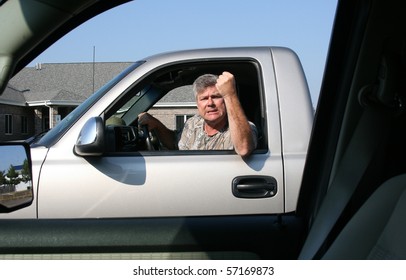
(11, 155)
(145, 27)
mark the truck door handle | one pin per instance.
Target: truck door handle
(254, 186)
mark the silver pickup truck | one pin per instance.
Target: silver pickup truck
(86, 167)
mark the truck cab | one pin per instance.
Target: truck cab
(98, 162)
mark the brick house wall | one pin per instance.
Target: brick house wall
(18, 115)
(168, 115)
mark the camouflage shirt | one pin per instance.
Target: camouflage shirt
(195, 138)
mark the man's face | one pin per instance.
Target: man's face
(211, 106)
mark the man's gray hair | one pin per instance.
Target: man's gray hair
(203, 82)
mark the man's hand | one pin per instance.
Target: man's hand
(226, 84)
(166, 136)
(146, 119)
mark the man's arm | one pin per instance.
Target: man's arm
(165, 135)
(240, 129)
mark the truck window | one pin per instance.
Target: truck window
(167, 95)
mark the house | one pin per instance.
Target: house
(37, 98)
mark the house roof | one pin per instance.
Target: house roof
(181, 95)
(70, 84)
(78, 78)
(12, 96)
(54, 97)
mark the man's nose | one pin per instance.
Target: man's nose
(210, 101)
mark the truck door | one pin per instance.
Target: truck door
(130, 180)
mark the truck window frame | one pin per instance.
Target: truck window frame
(248, 75)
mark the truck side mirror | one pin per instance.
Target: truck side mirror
(16, 190)
(91, 138)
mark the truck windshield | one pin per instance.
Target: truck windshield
(55, 133)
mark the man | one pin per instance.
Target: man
(220, 125)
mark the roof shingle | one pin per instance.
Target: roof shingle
(71, 82)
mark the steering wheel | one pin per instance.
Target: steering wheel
(151, 139)
(148, 142)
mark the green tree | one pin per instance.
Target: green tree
(2, 178)
(13, 176)
(25, 172)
